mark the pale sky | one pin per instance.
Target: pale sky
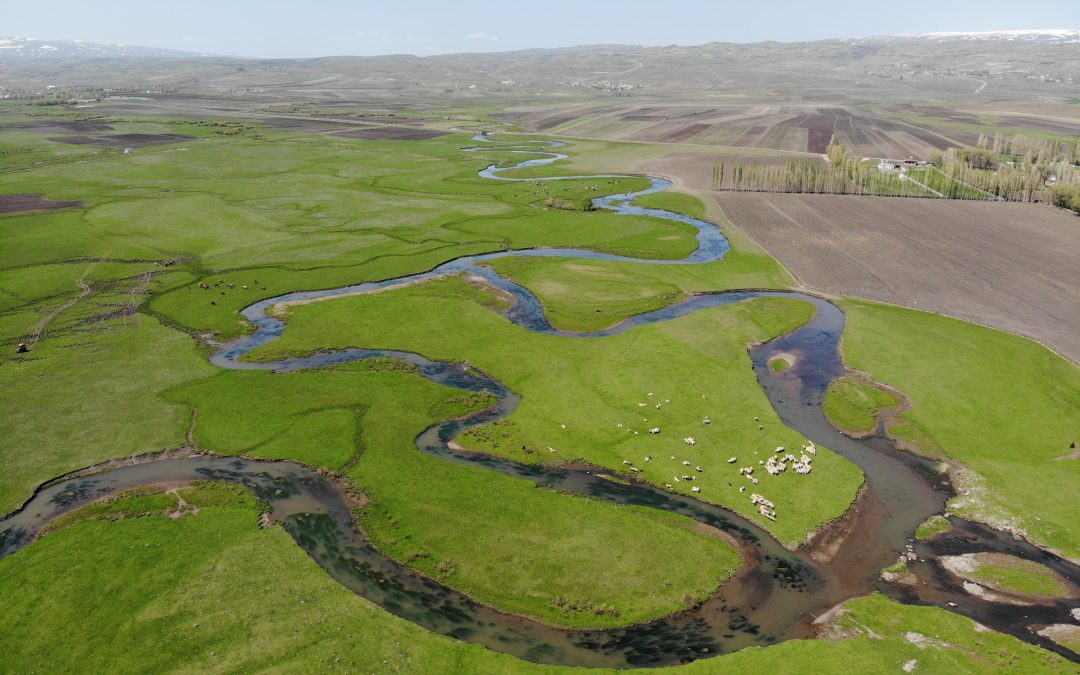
(295, 28)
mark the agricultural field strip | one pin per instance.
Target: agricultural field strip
(1015, 267)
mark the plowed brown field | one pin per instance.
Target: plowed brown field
(1007, 265)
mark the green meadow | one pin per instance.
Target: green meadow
(589, 399)
(1001, 405)
(472, 528)
(117, 299)
(211, 592)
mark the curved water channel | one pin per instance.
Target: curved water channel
(775, 596)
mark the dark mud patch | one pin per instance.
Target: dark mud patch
(392, 134)
(685, 133)
(551, 122)
(122, 140)
(30, 203)
(52, 126)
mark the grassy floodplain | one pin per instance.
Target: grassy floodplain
(211, 592)
(271, 212)
(594, 294)
(582, 397)
(1003, 406)
(476, 530)
(104, 292)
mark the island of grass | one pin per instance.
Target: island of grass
(933, 526)
(1009, 574)
(853, 404)
(781, 362)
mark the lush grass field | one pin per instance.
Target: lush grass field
(121, 587)
(678, 202)
(853, 405)
(211, 592)
(577, 392)
(593, 294)
(1002, 405)
(439, 516)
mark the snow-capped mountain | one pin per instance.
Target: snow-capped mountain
(12, 48)
(1029, 35)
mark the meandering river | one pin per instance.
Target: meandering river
(775, 597)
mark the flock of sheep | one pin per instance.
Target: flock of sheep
(776, 464)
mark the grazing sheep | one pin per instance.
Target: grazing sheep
(732, 460)
(689, 440)
(685, 463)
(697, 468)
(654, 430)
(706, 421)
(695, 489)
(627, 462)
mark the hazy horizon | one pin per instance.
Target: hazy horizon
(276, 29)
